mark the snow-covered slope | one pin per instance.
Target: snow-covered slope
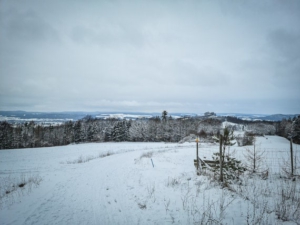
(126, 188)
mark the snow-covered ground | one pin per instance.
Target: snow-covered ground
(124, 187)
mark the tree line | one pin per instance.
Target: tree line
(164, 128)
(88, 129)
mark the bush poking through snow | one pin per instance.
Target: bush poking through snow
(146, 155)
(85, 159)
(172, 182)
(167, 204)
(9, 187)
(142, 205)
(247, 139)
(101, 155)
(288, 203)
(151, 192)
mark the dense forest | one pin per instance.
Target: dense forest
(164, 128)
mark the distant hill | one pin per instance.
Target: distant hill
(60, 117)
(253, 117)
(278, 117)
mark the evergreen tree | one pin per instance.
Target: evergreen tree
(295, 130)
(78, 137)
(120, 132)
(90, 133)
(6, 134)
(164, 115)
(17, 137)
(227, 138)
(68, 133)
(232, 168)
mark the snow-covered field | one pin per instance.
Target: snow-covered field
(116, 183)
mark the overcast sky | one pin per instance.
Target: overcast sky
(149, 56)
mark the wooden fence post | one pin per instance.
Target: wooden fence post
(221, 159)
(292, 161)
(197, 155)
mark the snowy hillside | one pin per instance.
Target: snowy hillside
(142, 183)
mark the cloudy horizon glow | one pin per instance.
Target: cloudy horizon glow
(149, 56)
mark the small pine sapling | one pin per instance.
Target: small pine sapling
(232, 168)
(254, 159)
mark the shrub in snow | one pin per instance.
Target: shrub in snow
(246, 139)
(232, 168)
(288, 203)
(10, 187)
(146, 155)
(172, 182)
(142, 205)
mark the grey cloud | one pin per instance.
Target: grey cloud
(192, 56)
(285, 59)
(186, 73)
(27, 26)
(286, 43)
(107, 35)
